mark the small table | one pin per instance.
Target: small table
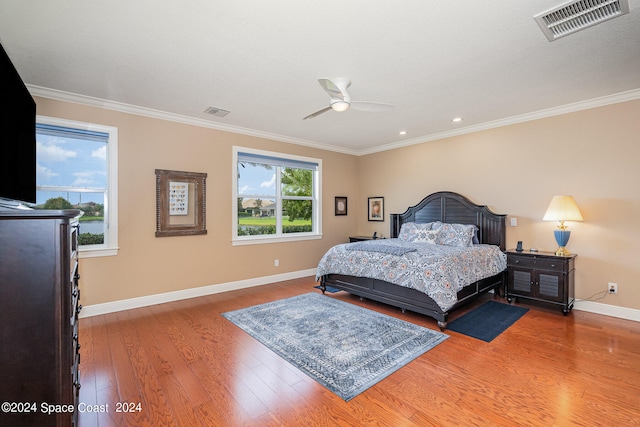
(360, 238)
(541, 276)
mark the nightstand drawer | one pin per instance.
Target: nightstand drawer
(521, 261)
(535, 263)
(549, 265)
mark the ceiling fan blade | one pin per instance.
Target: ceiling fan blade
(336, 88)
(317, 113)
(374, 107)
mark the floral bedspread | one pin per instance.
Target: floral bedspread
(440, 271)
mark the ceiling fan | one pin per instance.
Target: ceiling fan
(341, 101)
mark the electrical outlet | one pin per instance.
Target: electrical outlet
(613, 288)
(276, 262)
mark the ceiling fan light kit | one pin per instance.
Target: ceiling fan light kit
(341, 101)
(339, 105)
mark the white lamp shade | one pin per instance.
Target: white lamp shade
(562, 208)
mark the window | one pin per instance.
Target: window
(276, 197)
(77, 169)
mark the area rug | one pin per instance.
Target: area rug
(344, 347)
(488, 320)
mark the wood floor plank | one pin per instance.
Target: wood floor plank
(187, 365)
(87, 362)
(142, 399)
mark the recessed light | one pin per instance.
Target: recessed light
(457, 119)
(403, 132)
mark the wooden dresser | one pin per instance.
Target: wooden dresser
(39, 306)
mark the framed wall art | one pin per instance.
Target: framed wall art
(341, 205)
(180, 203)
(376, 208)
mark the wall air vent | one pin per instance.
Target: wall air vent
(218, 112)
(574, 16)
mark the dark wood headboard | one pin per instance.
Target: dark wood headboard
(446, 206)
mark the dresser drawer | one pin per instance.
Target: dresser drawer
(75, 276)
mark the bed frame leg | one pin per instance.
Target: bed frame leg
(442, 325)
(323, 286)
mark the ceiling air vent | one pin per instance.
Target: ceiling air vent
(578, 15)
(218, 112)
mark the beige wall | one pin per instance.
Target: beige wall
(146, 265)
(593, 155)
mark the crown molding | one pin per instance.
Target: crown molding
(162, 115)
(536, 115)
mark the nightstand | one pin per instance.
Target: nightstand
(541, 276)
(359, 238)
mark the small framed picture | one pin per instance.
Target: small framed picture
(341, 205)
(376, 209)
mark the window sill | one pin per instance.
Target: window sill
(95, 253)
(240, 241)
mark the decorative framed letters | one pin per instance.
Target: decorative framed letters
(180, 203)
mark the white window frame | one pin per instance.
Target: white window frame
(110, 246)
(282, 237)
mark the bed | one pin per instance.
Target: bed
(441, 207)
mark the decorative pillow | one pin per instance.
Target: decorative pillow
(475, 241)
(409, 230)
(406, 230)
(455, 234)
(427, 236)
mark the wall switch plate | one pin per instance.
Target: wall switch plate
(514, 222)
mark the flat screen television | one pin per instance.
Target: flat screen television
(17, 137)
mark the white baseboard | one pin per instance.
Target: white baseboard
(112, 307)
(608, 310)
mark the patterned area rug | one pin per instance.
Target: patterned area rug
(487, 321)
(344, 347)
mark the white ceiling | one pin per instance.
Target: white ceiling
(486, 61)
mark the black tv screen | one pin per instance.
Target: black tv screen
(18, 135)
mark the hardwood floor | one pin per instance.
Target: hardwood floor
(182, 364)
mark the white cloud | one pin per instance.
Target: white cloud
(85, 179)
(270, 183)
(82, 182)
(44, 174)
(100, 153)
(53, 153)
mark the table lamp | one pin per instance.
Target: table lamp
(562, 208)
